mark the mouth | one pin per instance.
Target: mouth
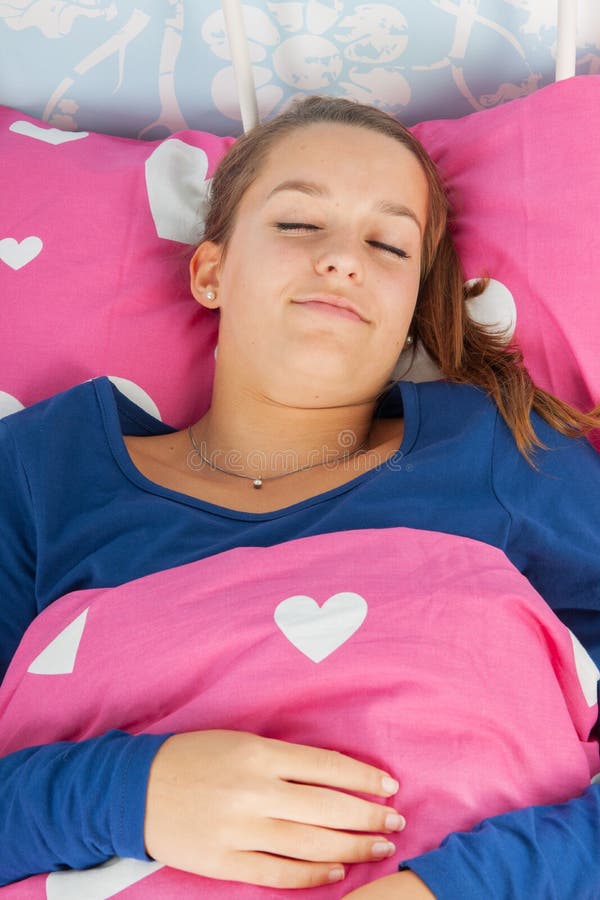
(330, 304)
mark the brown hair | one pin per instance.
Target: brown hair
(464, 350)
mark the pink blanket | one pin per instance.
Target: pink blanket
(427, 654)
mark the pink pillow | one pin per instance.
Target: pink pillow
(107, 294)
(524, 181)
(93, 265)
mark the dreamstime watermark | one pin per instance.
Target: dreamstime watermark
(257, 463)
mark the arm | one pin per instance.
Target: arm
(543, 851)
(76, 804)
(554, 534)
(201, 802)
(554, 538)
(43, 788)
(73, 805)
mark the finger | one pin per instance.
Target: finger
(313, 765)
(266, 870)
(304, 842)
(325, 808)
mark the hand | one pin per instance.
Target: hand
(232, 805)
(400, 886)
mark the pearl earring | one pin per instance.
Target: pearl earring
(210, 295)
(409, 340)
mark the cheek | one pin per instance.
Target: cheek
(290, 253)
(402, 296)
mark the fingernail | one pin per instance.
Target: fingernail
(389, 785)
(394, 822)
(383, 848)
(336, 874)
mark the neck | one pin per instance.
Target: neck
(254, 434)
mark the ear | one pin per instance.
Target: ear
(204, 273)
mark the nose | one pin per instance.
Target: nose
(340, 259)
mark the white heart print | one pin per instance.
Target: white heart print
(99, 883)
(48, 135)
(16, 255)
(319, 630)
(178, 190)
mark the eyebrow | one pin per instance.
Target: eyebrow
(316, 190)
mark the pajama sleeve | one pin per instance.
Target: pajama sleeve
(550, 852)
(74, 805)
(68, 804)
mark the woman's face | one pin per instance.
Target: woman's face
(319, 282)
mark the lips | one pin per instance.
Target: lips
(334, 304)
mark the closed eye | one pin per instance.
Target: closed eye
(387, 248)
(305, 226)
(295, 226)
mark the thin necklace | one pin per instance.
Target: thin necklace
(258, 482)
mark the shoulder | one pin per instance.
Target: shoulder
(28, 435)
(44, 432)
(62, 407)
(81, 410)
(463, 419)
(454, 400)
(445, 412)
(447, 407)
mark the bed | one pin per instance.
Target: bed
(144, 186)
(103, 197)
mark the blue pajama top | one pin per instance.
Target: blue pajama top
(75, 513)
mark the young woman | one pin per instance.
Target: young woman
(326, 253)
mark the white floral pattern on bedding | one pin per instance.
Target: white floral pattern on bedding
(151, 68)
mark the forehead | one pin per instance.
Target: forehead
(345, 158)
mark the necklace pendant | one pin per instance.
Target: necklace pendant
(257, 483)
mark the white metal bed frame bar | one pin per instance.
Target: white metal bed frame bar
(238, 45)
(566, 53)
(566, 41)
